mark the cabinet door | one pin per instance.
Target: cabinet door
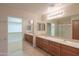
(25, 37)
(45, 44)
(38, 42)
(54, 48)
(29, 38)
(69, 51)
(42, 43)
(65, 52)
(75, 29)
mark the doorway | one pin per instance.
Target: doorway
(75, 29)
(14, 35)
(51, 29)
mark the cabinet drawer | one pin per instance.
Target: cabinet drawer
(29, 38)
(54, 43)
(65, 52)
(69, 50)
(54, 50)
(42, 43)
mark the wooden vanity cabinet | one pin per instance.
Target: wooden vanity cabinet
(69, 51)
(54, 48)
(28, 38)
(75, 29)
(42, 43)
(51, 47)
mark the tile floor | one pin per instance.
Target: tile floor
(19, 47)
(28, 50)
(15, 43)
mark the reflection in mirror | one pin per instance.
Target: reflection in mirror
(51, 29)
(30, 26)
(60, 28)
(41, 26)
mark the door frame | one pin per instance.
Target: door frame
(73, 19)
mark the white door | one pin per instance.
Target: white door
(14, 36)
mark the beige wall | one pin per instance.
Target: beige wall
(3, 36)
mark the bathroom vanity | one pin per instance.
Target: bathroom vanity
(57, 47)
(61, 37)
(29, 38)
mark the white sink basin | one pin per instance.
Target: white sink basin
(72, 43)
(68, 41)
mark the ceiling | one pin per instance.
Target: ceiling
(33, 7)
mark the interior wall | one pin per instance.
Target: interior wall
(3, 36)
(5, 12)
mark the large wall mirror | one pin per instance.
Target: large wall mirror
(60, 27)
(41, 26)
(30, 26)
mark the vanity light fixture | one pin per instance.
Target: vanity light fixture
(31, 21)
(55, 14)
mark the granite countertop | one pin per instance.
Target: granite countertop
(29, 33)
(70, 42)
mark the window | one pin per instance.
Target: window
(41, 27)
(29, 27)
(14, 24)
(53, 29)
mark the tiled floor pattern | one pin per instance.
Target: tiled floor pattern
(28, 50)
